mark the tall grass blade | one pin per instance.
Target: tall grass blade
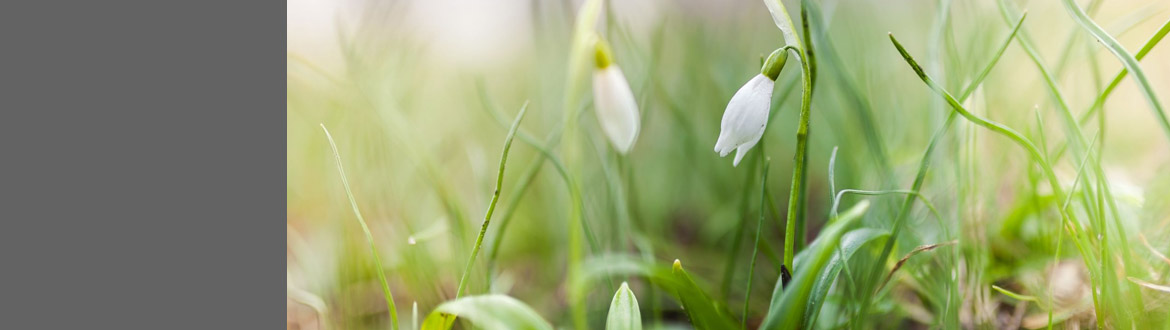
(366, 230)
(487, 217)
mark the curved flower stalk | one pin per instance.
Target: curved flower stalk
(746, 115)
(617, 110)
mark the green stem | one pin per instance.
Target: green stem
(487, 217)
(794, 230)
(365, 230)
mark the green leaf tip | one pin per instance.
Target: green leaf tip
(624, 313)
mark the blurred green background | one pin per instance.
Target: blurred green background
(408, 89)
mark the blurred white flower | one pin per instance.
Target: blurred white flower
(614, 102)
(745, 118)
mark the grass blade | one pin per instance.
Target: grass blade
(912, 253)
(487, 218)
(366, 230)
(1148, 285)
(1100, 101)
(1127, 60)
(1014, 295)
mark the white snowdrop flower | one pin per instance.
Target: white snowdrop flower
(613, 101)
(747, 113)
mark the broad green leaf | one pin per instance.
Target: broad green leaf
(493, 311)
(623, 311)
(850, 243)
(789, 305)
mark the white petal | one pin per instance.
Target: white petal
(745, 118)
(616, 108)
(743, 149)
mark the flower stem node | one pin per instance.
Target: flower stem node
(775, 63)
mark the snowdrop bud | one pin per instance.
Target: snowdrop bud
(745, 118)
(613, 101)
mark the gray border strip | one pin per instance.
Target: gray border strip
(143, 164)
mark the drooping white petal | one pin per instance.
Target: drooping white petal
(745, 118)
(617, 110)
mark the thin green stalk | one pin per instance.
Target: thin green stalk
(521, 187)
(755, 252)
(487, 217)
(365, 230)
(513, 203)
(1014, 295)
(561, 170)
(1126, 59)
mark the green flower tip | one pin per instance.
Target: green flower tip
(602, 55)
(774, 63)
(677, 265)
